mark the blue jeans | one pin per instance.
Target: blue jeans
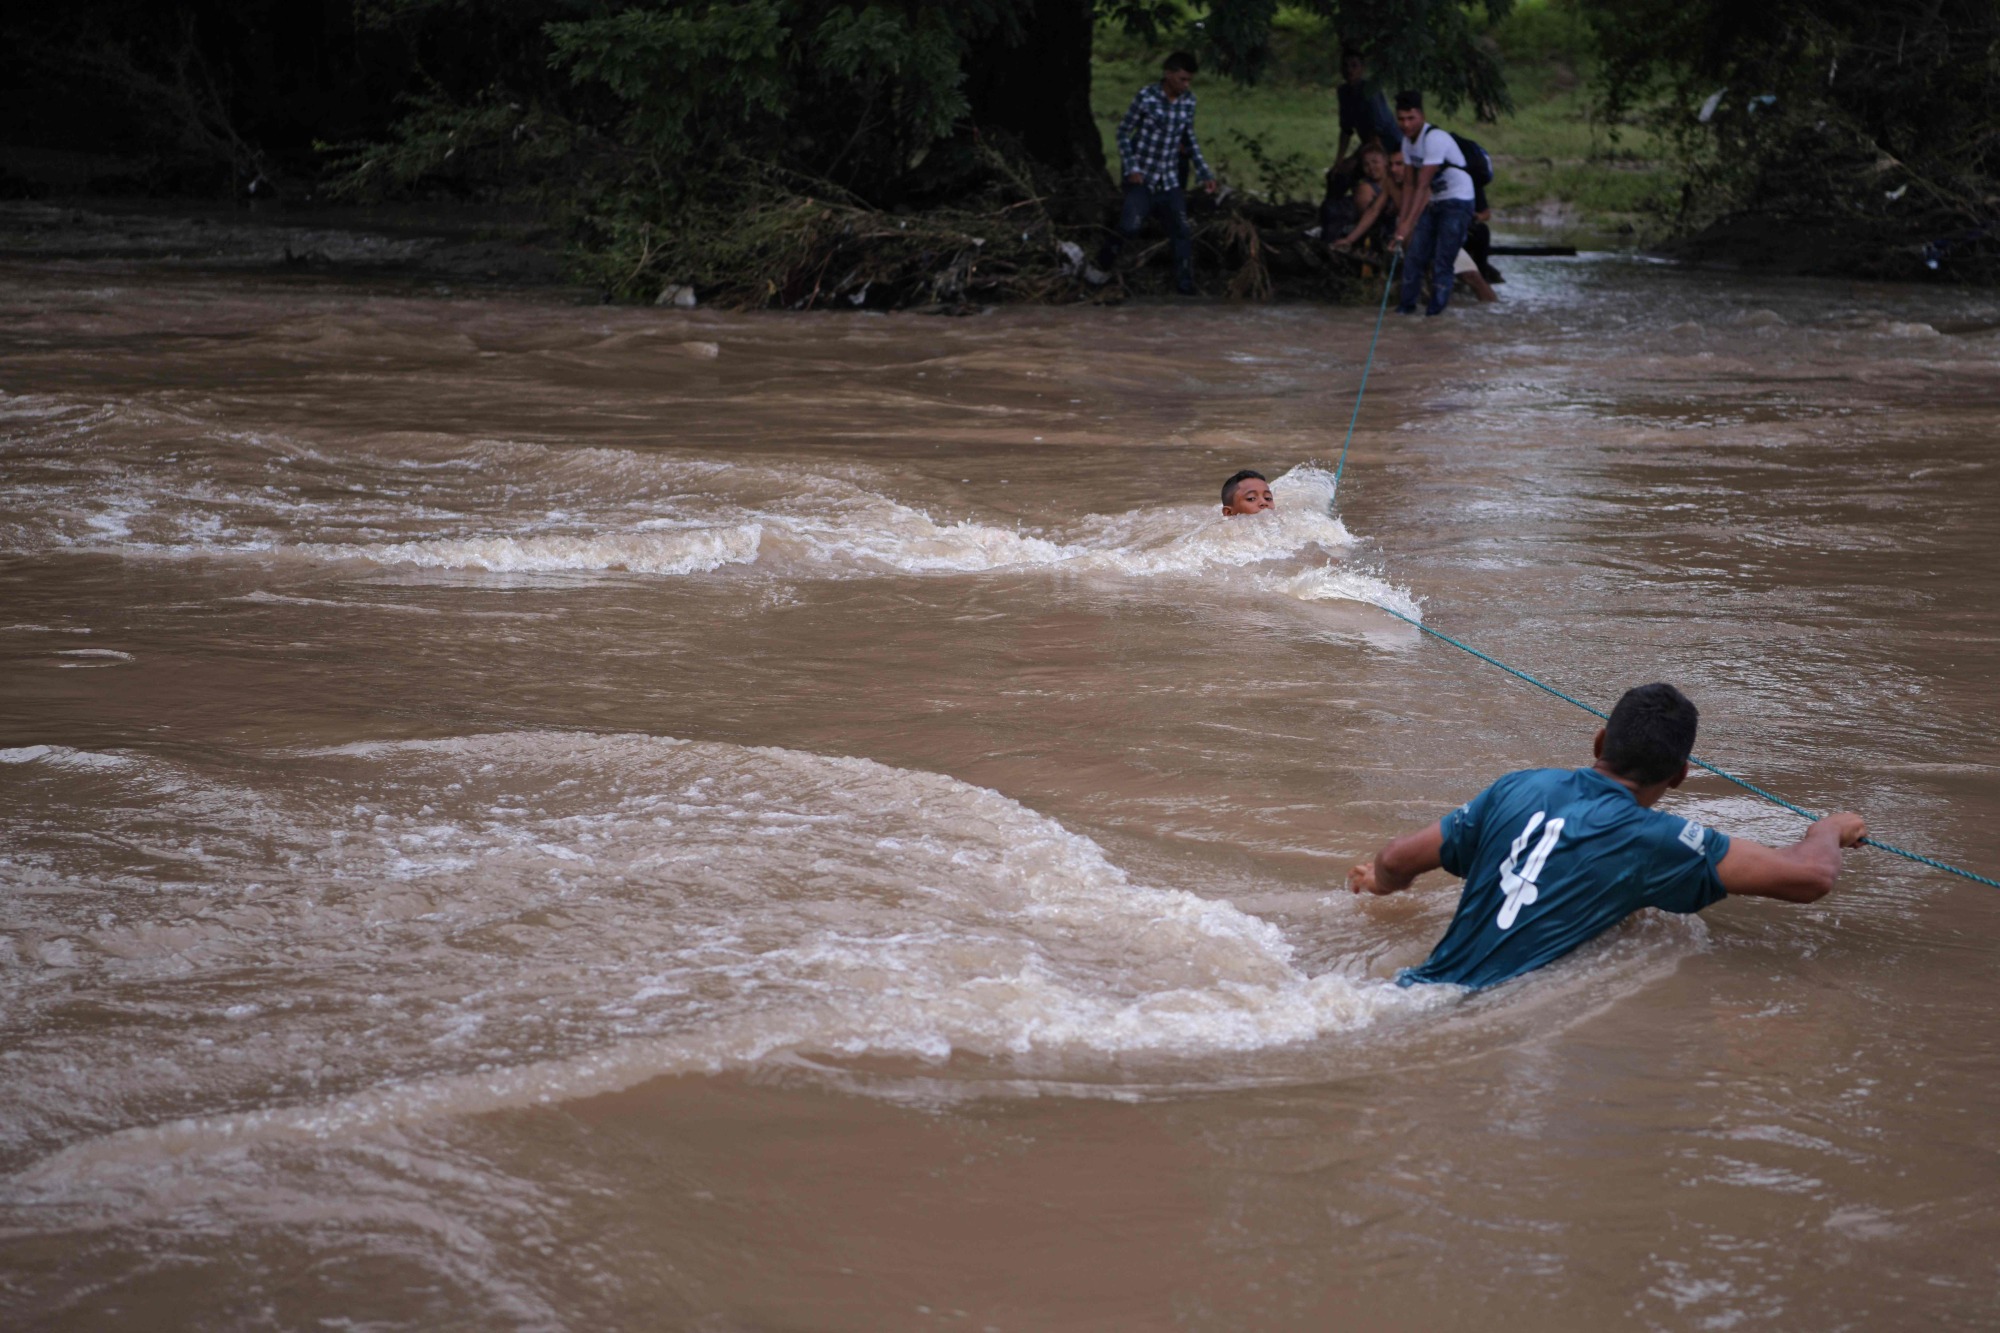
(1439, 236)
(1170, 205)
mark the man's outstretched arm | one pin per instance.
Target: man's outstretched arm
(1801, 873)
(1398, 864)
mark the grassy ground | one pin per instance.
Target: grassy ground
(1555, 167)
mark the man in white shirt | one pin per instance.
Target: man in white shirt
(1437, 206)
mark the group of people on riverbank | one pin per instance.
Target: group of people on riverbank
(1407, 187)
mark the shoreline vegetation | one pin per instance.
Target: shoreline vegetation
(1561, 171)
(814, 154)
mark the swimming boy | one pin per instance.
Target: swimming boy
(1554, 857)
(1247, 492)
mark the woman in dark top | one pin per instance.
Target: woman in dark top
(1378, 196)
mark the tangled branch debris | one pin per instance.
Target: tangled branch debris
(809, 252)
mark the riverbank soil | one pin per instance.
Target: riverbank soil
(1245, 250)
(1794, 249)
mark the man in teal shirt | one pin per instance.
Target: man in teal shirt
(1553, 857)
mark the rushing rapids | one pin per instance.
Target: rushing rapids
(547, 817)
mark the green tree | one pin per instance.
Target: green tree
(1864, 125)
(1420, 44)
(683, 132)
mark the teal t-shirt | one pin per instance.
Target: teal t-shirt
(1552, 857)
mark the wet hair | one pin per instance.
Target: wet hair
(1650, 733)
(1229, 487)
(1409, 100)
(1183, 60)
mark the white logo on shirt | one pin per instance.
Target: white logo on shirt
(1693, 834)
(1521, 889)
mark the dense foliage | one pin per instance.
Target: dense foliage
(695, 136)
(750, 146)
(1839, 135)
(1410, 44)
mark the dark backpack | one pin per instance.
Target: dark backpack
(1478, 163)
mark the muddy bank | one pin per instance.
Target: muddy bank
(1834, 248)
(419, 246)
(818, 256)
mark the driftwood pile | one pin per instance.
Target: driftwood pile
(806, 253)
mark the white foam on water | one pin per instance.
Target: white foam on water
(514, 508)
(504, 920)
(847, 530)
(265, 597)
(1239, 1019)
(690, 551)
(1351, 585)
(37, 407)
(451, 927)
(62, 756)
(853, 533)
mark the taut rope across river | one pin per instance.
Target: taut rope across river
(1388, 282)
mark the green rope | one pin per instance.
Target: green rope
(1387, 282)
(1698, 763)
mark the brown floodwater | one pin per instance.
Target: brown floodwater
(533, 816)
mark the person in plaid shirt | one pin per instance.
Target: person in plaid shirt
(1153, 139)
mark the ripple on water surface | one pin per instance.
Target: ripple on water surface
(430, 927)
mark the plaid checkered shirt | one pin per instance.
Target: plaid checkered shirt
(1150, 138)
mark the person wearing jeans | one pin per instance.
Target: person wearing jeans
(1157, 132)
(1434, 247)
(1167, 202)
(1437, 207)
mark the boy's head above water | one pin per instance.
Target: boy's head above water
(1247, 493)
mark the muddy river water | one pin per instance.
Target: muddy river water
(524, 815)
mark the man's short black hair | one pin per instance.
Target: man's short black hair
(1409, 100)
(1650, 734)
(1348, 53)
(1183, 60)
(1229, 487)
